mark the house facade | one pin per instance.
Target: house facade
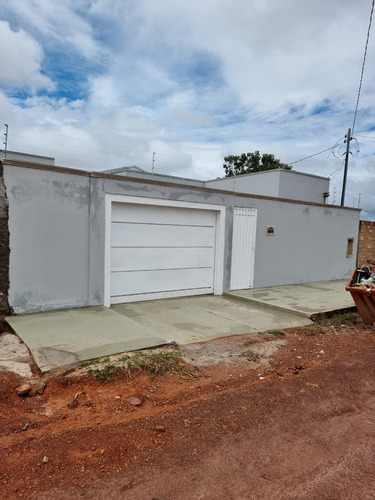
(79, 238)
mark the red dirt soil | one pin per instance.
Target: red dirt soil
(304, 431)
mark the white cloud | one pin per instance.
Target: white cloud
(192, 81)
(21, 59)
(56, 23)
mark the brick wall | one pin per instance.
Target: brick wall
(366, 244)
(4, 248)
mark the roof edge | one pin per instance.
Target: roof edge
(101, 175)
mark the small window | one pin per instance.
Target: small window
(270, 230)
(350, 247)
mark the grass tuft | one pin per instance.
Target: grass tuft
(337, 319)
(276, 332)
(107, 373)
(156, 363)
(90, 362)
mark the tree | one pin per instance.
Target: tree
(249, 163)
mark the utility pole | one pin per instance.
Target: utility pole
(153, 163)
(6, 140)
(348, 139)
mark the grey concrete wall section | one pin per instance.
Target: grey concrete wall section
(302, 187)
(57, 236)
(309, 243)
(49, 239)
(277, 183)
(97, 241)
(262, 183)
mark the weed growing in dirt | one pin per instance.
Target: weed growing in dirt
(156, 363)
(123, 358)
(311, 330)
(107, 373)
(327, 320)
(337, 319)
(90, 362)
(276, 332)
(152, 362)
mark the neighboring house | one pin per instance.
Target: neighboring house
(15, 155)
(80, 238)
(279, 183)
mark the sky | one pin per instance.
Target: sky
(100, 84)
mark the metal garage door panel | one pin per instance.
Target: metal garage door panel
(161, 215)
(126, 259)
(143, 282)
(160, 251)
(124, 234)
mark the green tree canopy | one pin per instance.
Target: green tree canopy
(249, 163)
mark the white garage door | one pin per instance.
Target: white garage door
(161, 251)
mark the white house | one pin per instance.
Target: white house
(73, 238)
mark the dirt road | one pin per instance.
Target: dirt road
(299, 427)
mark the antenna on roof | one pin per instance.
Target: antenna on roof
(153, 163)
(6, 140)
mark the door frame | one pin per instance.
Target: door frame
(218, 278)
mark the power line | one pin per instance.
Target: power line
(366, 137)
(316, 154)
(335, 172)
(363, 66)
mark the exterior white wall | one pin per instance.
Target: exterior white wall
(278, 183)
(57, 235)
(261, 183)
(303, 187)
(309, 243)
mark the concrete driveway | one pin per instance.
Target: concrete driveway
(61, 338)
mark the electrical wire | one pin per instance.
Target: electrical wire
(363, 66)
(324, 164)
(310, 156)
(316, 154)
(339, 145)
(335, 172)
(366, 137)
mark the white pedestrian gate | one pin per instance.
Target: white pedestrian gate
(243, 248)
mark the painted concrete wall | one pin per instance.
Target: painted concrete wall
(303, 187)
(57, 235)
(49, 239)
(278, 183)
(309, 242)
(261, 183)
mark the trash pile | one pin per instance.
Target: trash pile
(361, 286)
(364, 278)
